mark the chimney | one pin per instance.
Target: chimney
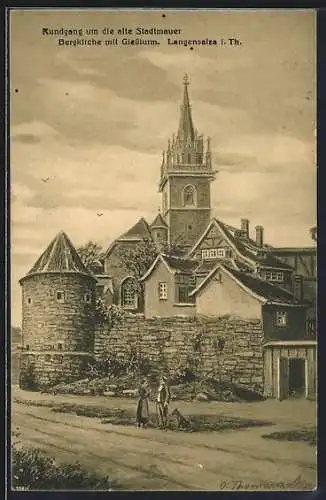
(245, 227)
(259, 236)
(298, 287)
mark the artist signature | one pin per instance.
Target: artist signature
(297, 484)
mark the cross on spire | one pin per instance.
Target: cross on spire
(186, 127)
(186, 80)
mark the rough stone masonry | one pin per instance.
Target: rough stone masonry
(232, 348)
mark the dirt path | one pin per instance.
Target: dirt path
(152, 459)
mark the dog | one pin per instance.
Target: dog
(183, 422)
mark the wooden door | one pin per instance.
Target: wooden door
(283, 378)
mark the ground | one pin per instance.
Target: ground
(151, 459)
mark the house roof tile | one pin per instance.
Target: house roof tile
(261, 289)
(180, 264)
(248, 248)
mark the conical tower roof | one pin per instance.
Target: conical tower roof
(59, 257)
(158, 222)
(186, 127)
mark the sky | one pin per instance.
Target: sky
(88, 124)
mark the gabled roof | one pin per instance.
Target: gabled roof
(259, 289)
(206, 266)
(159, 222)
(59, 257)
(136, 233)
(139, 231)
(173, 265)
(246, 250)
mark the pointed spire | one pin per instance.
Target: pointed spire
(158, 222)
(59, 257)
(186, 127)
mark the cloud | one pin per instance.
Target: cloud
(95, 121)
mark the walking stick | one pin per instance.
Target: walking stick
(157, 416)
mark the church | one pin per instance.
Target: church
(252, 305)
(185, 221)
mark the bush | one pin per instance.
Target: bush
(31, 470)
(132, 363)
(27, 379)
(186, 372)
(109, 314)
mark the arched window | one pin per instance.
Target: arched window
(189, 196)
(129, 293)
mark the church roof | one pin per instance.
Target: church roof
(260, 289)
(158, 221)
(186, 126)
(59, 257)
(137, 232)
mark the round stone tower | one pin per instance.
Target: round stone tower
(58, 305)
(159, 231)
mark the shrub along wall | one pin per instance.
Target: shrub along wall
(40, 369)
(229, 347)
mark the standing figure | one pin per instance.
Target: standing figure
(162, 402)
(142, 413)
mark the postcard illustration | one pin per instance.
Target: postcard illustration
(163, 249)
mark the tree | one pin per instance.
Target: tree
(313, 232)
(138, 258)
(92, 255)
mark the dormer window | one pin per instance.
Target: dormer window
(261, 255)
(214, 253)
(87, 298)
(273, 276)
(205, 254)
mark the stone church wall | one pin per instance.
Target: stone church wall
(230, 347)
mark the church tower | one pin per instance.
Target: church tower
(186, 174)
